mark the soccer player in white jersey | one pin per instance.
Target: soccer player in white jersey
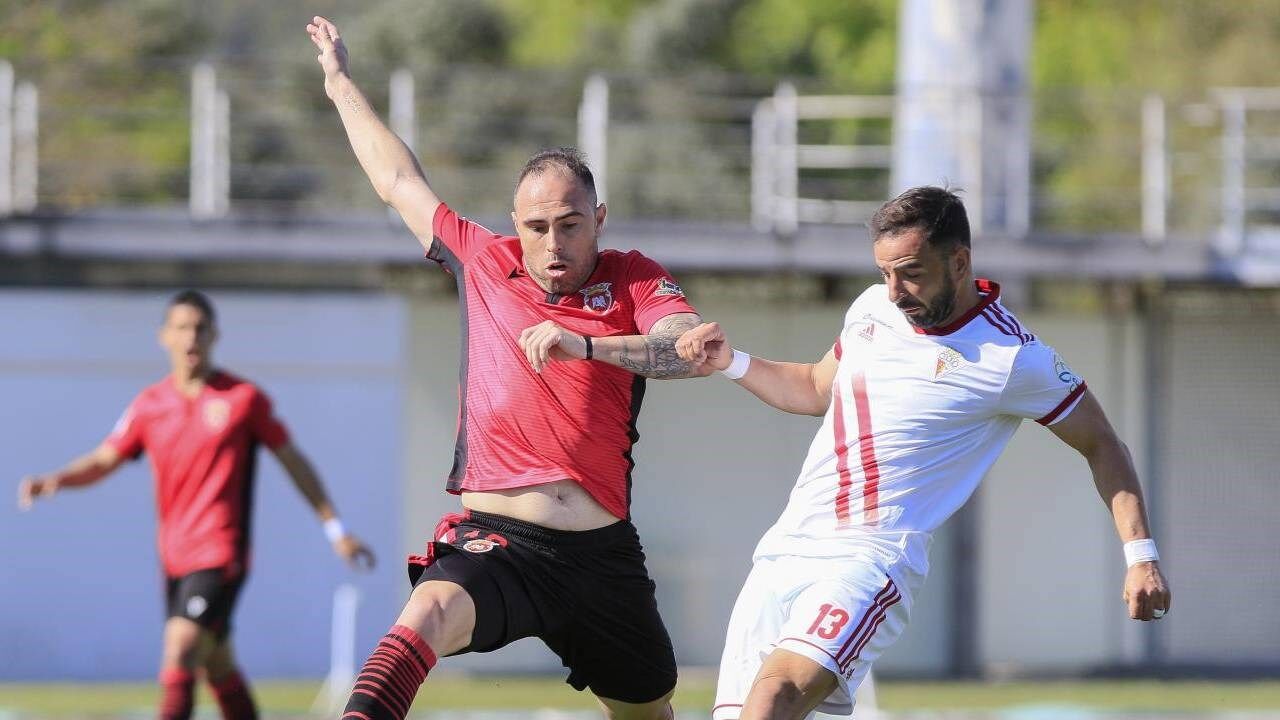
(921, 391)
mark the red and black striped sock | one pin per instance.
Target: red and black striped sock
(177, 687)
(234, 697)
(386, 685)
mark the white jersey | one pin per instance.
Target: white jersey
(917, 418)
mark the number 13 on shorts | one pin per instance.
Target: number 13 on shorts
(829, 622)
(839, 624)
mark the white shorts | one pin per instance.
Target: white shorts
(840, 613)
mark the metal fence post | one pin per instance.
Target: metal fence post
(764, 149)
(787, 172)
(6, 138)
(1155, 170)
(1232, 236)
(593, 130)
(26, 149)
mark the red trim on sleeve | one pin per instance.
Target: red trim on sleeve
(837, 349)
(1066, 403)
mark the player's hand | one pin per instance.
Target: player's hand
(32, 488)
(357, 554)
(333, 53)
(547, 341)
(706, 347)
(1146, 592)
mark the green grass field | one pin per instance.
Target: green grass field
(459, 692)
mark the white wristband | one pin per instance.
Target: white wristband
(737, 366)
(333, 529)
(1136, 551)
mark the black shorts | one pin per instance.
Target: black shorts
(206, 597)
(587, 595)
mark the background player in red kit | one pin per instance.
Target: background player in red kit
(201, 428)
(542, 463)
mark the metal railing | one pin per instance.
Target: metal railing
(693, 148)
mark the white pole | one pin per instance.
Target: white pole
(26, 147)
(764, 147)
(221, 162)
(6, 138)
(401, 113)
(342, 651)
(593, 131)
(1155, 170)
(1234, 212)
(203, 89)
(787, 174)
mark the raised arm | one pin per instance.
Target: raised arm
(304, 476)
(1087, 430)
(799, 388)
(391, 167)
(84, 470)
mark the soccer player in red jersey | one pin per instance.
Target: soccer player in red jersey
(201, 428)
(558, 339)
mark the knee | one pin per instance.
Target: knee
(659, 709)
(779, 690)
(442, 614)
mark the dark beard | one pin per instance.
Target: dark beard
(938, 310)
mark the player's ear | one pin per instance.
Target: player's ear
(601, 211)
(960, 261)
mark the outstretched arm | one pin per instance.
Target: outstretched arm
(84, 470)
(391, 167)
(799, 388)
(346, 545)
(1087, 430)
(653, 355)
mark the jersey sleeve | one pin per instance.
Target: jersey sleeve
(126, 436)
(654, 292)
(1041, 386)
(456, 239)
(263, 423)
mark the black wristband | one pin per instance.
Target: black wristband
(587, 339)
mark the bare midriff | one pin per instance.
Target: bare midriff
(559, 505)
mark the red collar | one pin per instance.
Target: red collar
(990, 291)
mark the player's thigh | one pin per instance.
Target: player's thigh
(182, 643)
(659, 709)
(754, 625)
(443, 615)
(788, 686)
(843, 623)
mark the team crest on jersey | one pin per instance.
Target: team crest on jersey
(948, 361)
(667, 286)
(598, 297)
(1068, 378)
(216, 413)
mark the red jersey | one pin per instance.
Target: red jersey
(202, 452)
(574, 420)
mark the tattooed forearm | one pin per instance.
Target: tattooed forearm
(654, 355)
(354, 102)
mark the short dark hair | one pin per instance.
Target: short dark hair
(938, 211)
(195, 299)
(568, 159)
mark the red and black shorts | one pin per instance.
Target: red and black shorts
(586, 594)
(205, 597)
